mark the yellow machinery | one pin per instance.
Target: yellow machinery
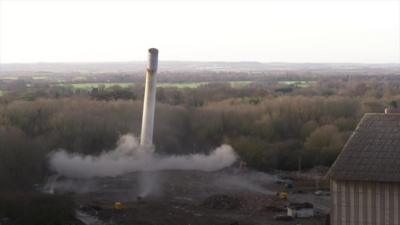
(282, 195)
(119, 205)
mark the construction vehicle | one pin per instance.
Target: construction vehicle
(119, 205)
(282, 195)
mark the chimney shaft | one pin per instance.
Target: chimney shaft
(149, 103)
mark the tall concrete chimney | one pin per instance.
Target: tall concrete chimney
(149, 103)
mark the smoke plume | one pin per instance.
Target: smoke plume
(130, 157)
(250, 181)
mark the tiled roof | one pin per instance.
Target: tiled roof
(372, 153)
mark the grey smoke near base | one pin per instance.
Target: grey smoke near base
(54, 183)
(250, 181)
(130, 157)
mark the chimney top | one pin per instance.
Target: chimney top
(153, 50)
(152, 62)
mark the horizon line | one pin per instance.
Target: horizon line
(200, 61)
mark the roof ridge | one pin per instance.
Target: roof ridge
(372, 148)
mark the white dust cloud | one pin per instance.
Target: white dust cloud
(130, 157)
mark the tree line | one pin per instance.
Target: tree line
(268, 128)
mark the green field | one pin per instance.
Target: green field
(298, 83)
(239, 84)
(88, 86)
(181, 85)
(96, 85)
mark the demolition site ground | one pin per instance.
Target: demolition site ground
(228, 197)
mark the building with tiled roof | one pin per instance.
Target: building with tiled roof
(365, 178)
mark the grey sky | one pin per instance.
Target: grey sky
(266, 31)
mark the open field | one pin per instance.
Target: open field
(300, 84)
(182, 85)
(88, 86)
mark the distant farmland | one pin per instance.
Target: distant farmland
(296, 83)
(89, 86)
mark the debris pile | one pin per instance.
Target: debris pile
(276, 205)
(245, 202)
(304, 205)
(253, 203)
(222, 201)
(92, 208)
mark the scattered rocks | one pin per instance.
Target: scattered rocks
(222, 201)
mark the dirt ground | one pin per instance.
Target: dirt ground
(226, 197)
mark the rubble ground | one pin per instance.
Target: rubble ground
(184, 197)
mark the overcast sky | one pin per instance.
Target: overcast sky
(265, 31)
